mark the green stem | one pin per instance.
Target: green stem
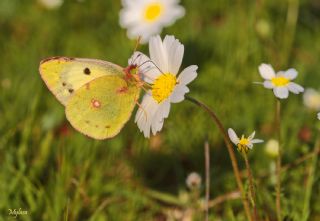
(306, 205)
(278, 166)
(229, 145)
(207, 166)
(251, 187)
(164, 197)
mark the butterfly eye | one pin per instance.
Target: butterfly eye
(133, 69)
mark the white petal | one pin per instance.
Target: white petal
(318, 115)
(252, 135)
(172, 13)
(136, 57)
(281, 92)
(177, 12)
(291, 73)
(128, 18)
(295, 88)
(150, 73)
(266, 71)
(257, 141)
(145, 31)
(250, 145)
(142, 116)
(174, 50)
(158, 54)
(188, 74)
(166, 109)
(280, 74)
(127, 3)
(233, 136)
(145, 114)
(178, 94)
(147, 69)
(268, 84)
(160, 115)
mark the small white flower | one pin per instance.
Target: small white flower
(243, 144)
(51, 4)
(166, 86)
(146, 18)
(193, 180)
(272, 148)
(318, 116)
(280, 82)
(311, 99)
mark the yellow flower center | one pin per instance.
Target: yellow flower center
(153, 11)
(280, 81)
(244, 141)
(243, 145)
(163, 86)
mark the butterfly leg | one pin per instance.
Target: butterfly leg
(140, 106)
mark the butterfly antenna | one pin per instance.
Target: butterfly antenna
(152, 63)
(145, 71)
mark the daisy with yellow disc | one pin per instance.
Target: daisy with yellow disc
(100, 96)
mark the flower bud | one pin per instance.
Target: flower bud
(193, 181)
(272, 148)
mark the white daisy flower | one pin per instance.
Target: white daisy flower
(243, 144)
(280, 82)
(51, 4)
(311, 99)
(166, 86)
(146, 18)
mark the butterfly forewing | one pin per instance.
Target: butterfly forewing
(64, 75)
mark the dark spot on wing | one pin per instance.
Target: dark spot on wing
(97, 126)
(87, 71)
(70, 90)
(88, 122)
(64, 84)
(107, 126)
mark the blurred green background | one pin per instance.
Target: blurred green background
(55, 173)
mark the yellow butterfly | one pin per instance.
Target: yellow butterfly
(98, 96)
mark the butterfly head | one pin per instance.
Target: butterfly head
(132, 73)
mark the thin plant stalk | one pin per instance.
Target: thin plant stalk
(207, 167)
(66, 216)
(290, 29)
(278, 165)
(251, 187)
(229, 145)
(306, 204)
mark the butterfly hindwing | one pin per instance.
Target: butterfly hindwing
(64, 75)
(101, 107)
